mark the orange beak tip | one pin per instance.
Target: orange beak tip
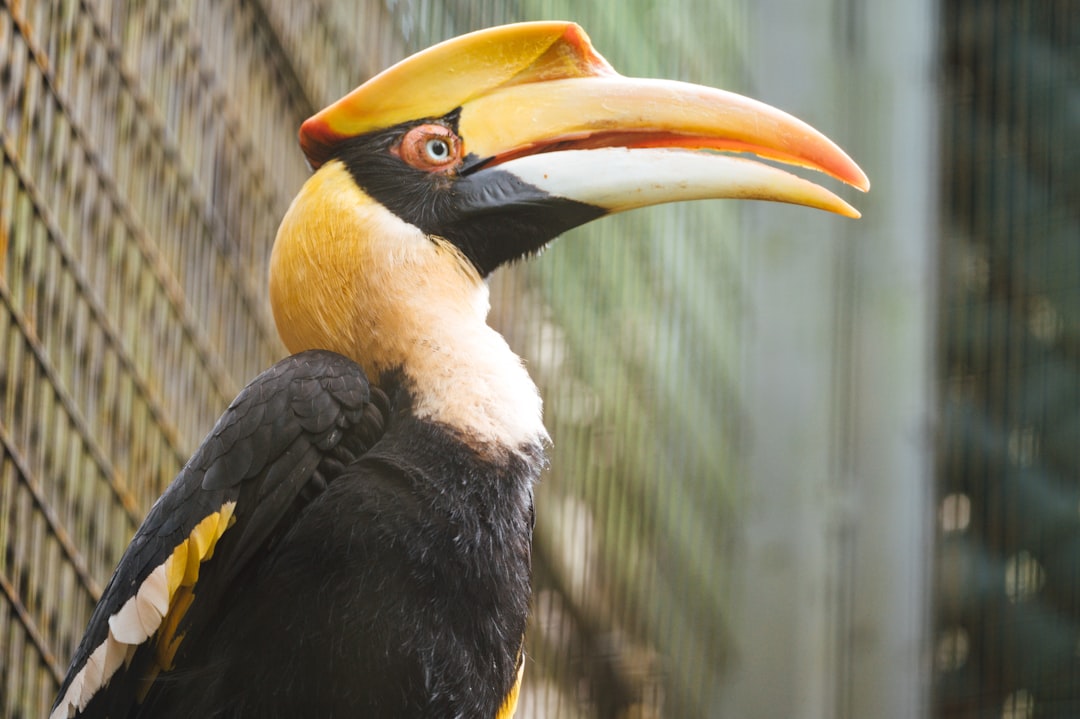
(862, 182)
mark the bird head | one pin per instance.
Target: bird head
(482, 149)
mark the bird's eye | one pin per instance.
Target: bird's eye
(437, 149)
(433, 148)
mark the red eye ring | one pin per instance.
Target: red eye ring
(432, 148)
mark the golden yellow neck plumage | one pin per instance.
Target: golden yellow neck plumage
(348, 275)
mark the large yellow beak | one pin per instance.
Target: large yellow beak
(536, 100)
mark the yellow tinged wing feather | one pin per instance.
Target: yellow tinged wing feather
(202, 539)
(227, 519)
(176, 567)
(184, 572)
(158, 606)
(509, 706)
(191, 566)
(169, 640)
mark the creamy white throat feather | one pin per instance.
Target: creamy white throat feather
(470, 379)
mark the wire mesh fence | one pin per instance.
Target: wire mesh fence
(132, 313)
(1008, 617)
(148, 154)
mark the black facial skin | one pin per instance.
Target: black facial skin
(491, 215)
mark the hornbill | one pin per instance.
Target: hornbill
(353, 537)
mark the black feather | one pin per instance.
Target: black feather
(260, 454)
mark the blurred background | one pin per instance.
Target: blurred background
(803, 466)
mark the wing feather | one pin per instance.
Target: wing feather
(289, 431)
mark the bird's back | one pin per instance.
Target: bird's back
(392, 594)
